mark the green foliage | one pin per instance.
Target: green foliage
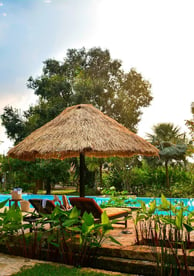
(25, 174)
(190, 125)
(150, 181)
(110, 191)
(177, 217)
(166, 132)
(14, 123)
(171, 143)
(119, 172)
(115, 179)
(11, 225)
(119, 201)
(84, 77)
(171, 230)
(89, 234)
(171, 151)
(73, 238)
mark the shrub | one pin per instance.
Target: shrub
(71, 239)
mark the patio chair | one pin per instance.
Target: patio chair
(41, 206)
(90, 206)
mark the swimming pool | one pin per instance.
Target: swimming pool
(189, 202)
(51, 197)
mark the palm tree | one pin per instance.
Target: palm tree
(171, 143)
(166, 132)
(190, 125)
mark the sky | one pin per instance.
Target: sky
(153, 36)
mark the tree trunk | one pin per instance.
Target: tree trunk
(38, 183)
(100, 174)
(48, 187)
(167, 175)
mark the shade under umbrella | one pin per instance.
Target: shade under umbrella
(81, 130)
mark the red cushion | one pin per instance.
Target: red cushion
(86, 205)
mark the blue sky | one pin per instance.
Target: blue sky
(155, 37)
(34, 30)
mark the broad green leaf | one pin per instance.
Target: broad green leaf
(95, 244)
(168, 220)
(139, 217)
(84, 228)
(114, 240)
(188, 227)
(165, 205)
(143, 206)
(152, 207)
(108, 226)
(74, 229)
(104, 218)
(179, 219)
(69, 222)
(87, 229)
(3, 203)
(88, 218)
(74, 213)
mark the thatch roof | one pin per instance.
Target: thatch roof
(81, 129)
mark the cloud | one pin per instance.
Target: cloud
(20, 101)
(143, 34)
(5, 144)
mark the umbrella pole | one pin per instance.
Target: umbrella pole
(81, 170)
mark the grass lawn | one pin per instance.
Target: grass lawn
(60, 270)
(60, 192)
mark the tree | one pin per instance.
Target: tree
(83, 77)
(171, 143)
(12, 120)
(29, 175)
(190, 125)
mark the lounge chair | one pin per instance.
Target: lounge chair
(41, 206)
(90, 206)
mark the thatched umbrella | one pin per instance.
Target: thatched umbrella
(81, 130)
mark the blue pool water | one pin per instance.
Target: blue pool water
(189, 202)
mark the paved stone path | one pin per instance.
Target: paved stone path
(12, 264)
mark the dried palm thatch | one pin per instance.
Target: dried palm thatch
(81, 129)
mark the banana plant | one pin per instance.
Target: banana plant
(70, 232)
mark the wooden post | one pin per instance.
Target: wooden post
(82, 178)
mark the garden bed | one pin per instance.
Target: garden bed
(137, 259)
(167, 243)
